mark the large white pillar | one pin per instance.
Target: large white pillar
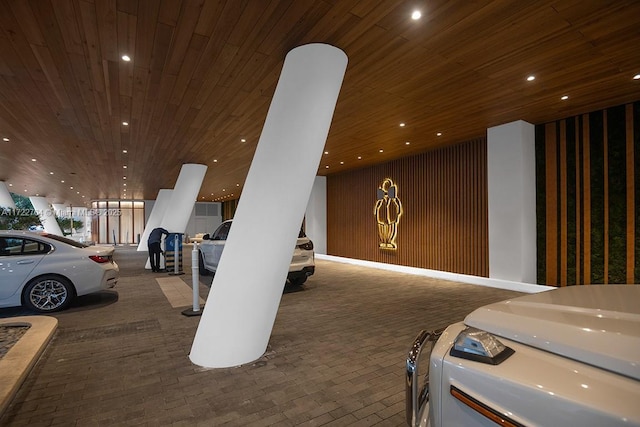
(6, 201)
(46, 214)
(241, 308)
(316, 215)
(183, 197)
(512, 202)
(160, 206)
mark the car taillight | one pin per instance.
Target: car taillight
(99, 258)
(306, 246)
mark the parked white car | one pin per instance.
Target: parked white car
(44, 272)
(302, 262)
(564, 357)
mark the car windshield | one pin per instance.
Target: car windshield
(65, 240)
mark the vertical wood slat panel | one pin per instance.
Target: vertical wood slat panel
(630, 166)
(606, 198)
(586, 163)
(578, 204)
(563, 203)
(552, 204)
(444, 225)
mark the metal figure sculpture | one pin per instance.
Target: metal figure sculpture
(387, 211)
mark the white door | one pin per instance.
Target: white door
(18, 258)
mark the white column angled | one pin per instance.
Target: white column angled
(512, 202)
(183, 198)
(163, 199)
(46, 214)
(241, 308)
(6, 201)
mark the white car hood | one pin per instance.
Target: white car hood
(595, 324)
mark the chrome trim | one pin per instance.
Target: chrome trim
(415, 401)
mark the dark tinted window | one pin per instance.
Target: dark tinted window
(19, 246)
(222, 232)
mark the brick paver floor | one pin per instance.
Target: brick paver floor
(335, 358)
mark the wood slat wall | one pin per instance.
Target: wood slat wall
(591, 199)
(444, 197)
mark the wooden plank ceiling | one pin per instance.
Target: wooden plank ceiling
(202, 74)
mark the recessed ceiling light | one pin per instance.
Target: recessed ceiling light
(326, 152)
(215, 160)
(50, 173)
(125, 123)
(342, 163)
(70, 188)
(326, 167)
(25, 190)
(439, 134)
(237, 185)
(125, 151)
(125, 184)
(243, 140)
(124, 177)
(407, 143)
(124, 167)
(5, 139)
(126, 58)
(402, 125)
(381, 150)
(359, 157)
(77, 192)
(531, 78)
(10, 185)
(62, 181)
(565, 97)
(416, 15)
(33, 160)
(636, 77)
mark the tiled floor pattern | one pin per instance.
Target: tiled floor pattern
(335, 357)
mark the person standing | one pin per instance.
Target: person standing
(153, 243)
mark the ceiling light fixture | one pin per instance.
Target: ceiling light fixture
(416, 15)
(50, 173)
(126, 58)
(381, 150)
(564, 97)
(243, 140)
(402, 125)
(125, 123)
(531, 78)
(62, 181)
(33, 160)
(439, 134)
(124, 177)
(326, 152)
(326, 167)
(125, 151)
(342, 163)
(636, 77)
(5, 139)
(407, 143)
(359, 157)
(124, 167)
(215, 160)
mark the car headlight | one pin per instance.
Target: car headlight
(480, 346)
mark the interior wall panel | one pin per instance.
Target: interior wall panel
(444, 221)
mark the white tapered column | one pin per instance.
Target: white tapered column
(46, 214)
(241, 308)
(183, 197)
(155, 217)
(511, 181)
(6, 201)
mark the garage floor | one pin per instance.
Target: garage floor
(336, 355)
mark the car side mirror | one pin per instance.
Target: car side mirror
(206, 237)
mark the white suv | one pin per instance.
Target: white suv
(302, 264)
(564, 357)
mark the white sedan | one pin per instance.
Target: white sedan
(564, 357)
(44, 272)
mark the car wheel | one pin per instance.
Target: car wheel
(203, 271)
(48, 293)
(296, 281)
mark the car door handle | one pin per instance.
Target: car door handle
(27, 261)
